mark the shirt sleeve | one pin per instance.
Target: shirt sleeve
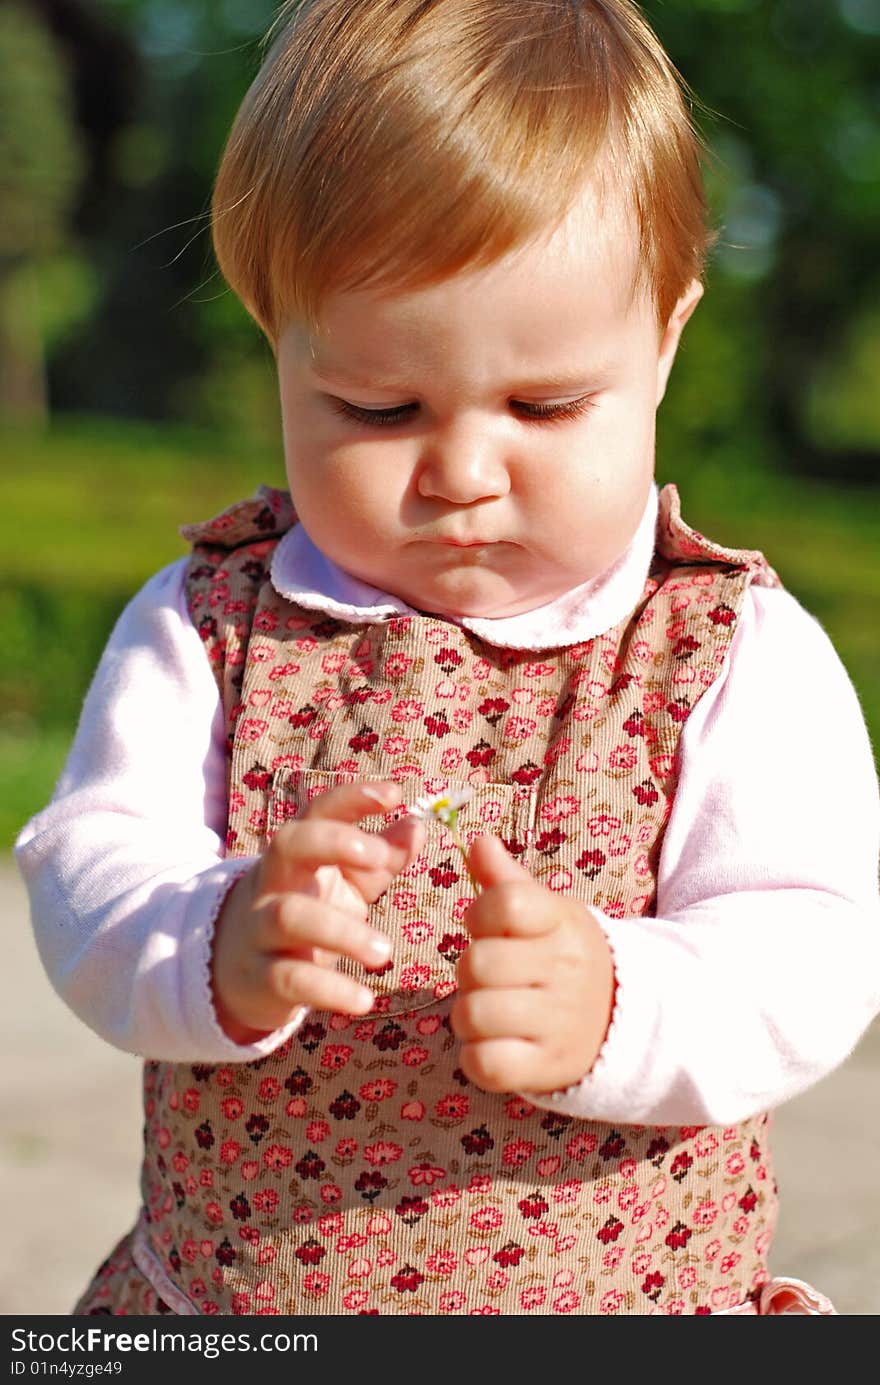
(761, 970)
(125, 867)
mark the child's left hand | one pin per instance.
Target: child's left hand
(536, 984)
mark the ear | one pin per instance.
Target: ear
(672, 333)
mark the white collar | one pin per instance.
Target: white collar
(302, 574)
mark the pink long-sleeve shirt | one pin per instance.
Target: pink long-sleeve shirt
(758, 975)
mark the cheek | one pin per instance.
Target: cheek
(591, 511)
(334, 488)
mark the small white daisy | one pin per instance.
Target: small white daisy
(444, 807)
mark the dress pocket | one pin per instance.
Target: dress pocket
(423, 909)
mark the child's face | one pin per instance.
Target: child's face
(481, 446)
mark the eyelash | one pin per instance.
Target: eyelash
(387, 418)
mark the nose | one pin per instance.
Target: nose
(463, 464)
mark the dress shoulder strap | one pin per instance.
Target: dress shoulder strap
(268, 514)
(680, 545)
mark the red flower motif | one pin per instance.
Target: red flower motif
(533, 1206)
(610, 1231)
(479, 1141)
(304, 717)
(452, 1107)
(299, 1082)
(444, 876)
(336, 1055)
(613, 1147)
(344, 1107)
(482, 754)
(256, 1126)
(620, 684)
(365, 739)
(653, 1284)
(448, 659)
(680, 1165)
(407, 1280)
(389, 1036)
(679, 1236)
(370, 1185)
(258, 777)
(493, 709)
(684, 647)
(722, 615)
(591, 862)
(634, 724)
(452, 945)
(527, 773)
(437, 725)
(411, 1209)
(379, 1089)
(513, 847)
(311, 1035)
(509, 1255)
(679, 710)
(311, 1165)
(551, 841)
(240, 1207)
(311, 1253)
(657, 1149)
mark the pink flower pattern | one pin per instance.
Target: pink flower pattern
(355, 1169)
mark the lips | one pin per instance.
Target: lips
(452, 541)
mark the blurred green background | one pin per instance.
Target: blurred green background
(135, 394)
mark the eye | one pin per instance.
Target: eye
(553, 413)
(402, 413)
(373, 418)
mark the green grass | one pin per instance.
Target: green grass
(104, 500)
(32, 761)
(91, 508)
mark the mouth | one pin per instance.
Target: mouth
(466, 543)
(450, 541)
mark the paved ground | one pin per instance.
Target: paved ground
(70, 1132)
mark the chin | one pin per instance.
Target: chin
(471, 605)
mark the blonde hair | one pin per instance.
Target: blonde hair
(393, 143)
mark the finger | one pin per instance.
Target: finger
(351, 802)
(492, 864)
(515, 908)
(498, 963)
(299, 848)
(300, 924)
(503, 1065)
(403, 840)
(292, 982)
(514, 1013)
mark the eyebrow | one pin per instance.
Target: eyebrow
(560, 381)
(345, 377)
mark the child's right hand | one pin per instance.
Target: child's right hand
(285, 924)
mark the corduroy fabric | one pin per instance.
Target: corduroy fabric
(355, 1169)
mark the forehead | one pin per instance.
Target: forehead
(580, 277)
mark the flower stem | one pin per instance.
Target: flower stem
(452, 824)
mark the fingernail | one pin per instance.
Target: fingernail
(379, 947)
(382, 796)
